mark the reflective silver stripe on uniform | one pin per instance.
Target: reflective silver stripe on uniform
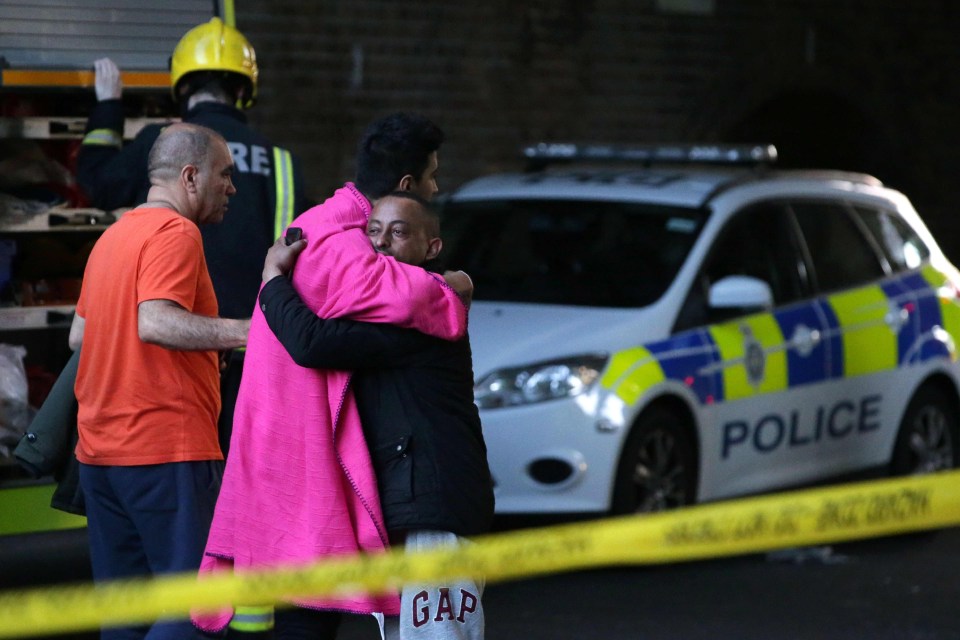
(283, 175)
(252, 619)
(103, 137)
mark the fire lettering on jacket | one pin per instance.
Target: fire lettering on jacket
(252, 159)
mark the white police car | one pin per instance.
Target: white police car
(646, 338)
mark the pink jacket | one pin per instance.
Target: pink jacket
(299, 485)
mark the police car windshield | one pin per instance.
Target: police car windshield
(586, 253)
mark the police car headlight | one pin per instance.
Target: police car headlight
(538, 382)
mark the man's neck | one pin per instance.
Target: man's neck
(160, 199)
(205, 96)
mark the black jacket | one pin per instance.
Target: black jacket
(415, 398)
(48, 445)
(113, 177)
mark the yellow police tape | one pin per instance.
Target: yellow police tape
(816, 516)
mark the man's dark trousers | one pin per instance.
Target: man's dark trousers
(150, 519)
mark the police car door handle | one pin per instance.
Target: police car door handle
(804, 340)
(896, 317)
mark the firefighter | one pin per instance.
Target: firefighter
(213, 75)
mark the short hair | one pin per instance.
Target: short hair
(225, 85)
(426, 209)
(392, 147)
(177, 146)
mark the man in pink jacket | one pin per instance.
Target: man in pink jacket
(299, 485)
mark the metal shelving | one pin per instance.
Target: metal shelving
(53, 128)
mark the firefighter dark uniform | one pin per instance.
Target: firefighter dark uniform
(269, 192)
(269, 184)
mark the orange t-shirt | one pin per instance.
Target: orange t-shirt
(141, 403)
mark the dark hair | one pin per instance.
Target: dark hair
(226, 85)
(399, 144)
(409, 195)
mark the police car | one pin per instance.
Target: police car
(698, 325)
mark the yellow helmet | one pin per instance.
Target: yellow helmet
(214, 46)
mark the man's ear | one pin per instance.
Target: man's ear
(406, 183)
(188, 178)
(433, 249)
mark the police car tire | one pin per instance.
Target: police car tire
(661, 432)
(929, 403)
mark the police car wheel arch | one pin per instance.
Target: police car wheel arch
(658, 463)
(928, 437)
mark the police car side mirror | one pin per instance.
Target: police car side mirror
(740, 292)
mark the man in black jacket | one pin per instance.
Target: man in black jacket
(415, 398)
(213, 73)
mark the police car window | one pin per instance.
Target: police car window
(842, 256)
(902, 246)
(758, 242)
(588, 253)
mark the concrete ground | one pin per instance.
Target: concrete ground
(899, 588)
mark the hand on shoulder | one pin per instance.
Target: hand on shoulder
(460, 282)
(281, 258)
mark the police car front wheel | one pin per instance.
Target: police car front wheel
(657, 469)
(927, 439)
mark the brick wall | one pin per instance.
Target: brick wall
(853, 84)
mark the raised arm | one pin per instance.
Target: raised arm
(112, 175)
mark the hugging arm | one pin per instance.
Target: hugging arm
(332, 343)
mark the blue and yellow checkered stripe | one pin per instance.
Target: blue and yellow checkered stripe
(864, 331)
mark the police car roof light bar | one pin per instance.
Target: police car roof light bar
(545, 153)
